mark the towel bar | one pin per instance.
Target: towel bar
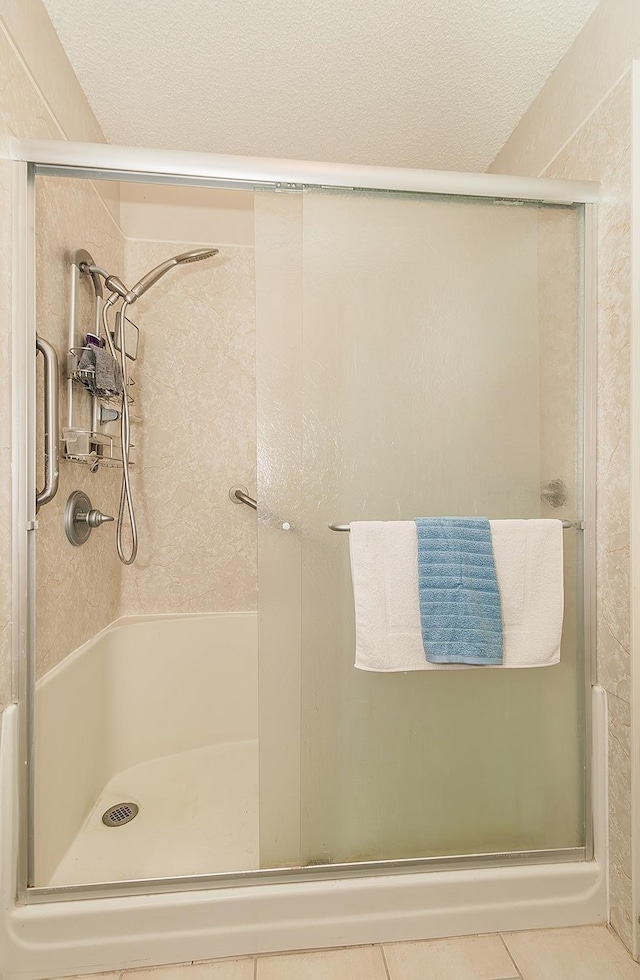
(579, 526)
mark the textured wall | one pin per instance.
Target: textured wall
(600, 150)
(589, 71)
(24, 113)
(195, 392)
(78, 589)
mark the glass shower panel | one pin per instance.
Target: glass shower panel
(439, 353)
(278, 263)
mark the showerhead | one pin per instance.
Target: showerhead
(195, 255)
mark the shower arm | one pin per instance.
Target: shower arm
(116, 285)
(113, 283)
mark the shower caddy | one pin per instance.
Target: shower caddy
(95, 444)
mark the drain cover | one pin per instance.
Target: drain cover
(119, 814)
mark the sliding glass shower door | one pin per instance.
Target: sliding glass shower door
(416, 356)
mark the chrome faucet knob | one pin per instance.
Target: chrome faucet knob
(80, 518)
(95, 518)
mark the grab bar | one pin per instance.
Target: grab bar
(51, 423)
(565, 524)
(240, 495)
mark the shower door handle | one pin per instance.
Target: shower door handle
(240, 495)
(51, 423)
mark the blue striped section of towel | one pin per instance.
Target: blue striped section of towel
(460, 606)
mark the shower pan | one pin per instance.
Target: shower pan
(450, 371)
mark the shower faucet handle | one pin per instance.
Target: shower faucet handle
(80, 518)
(94, 518)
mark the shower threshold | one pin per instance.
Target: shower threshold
(60, 891)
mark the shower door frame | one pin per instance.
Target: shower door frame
(102, 161)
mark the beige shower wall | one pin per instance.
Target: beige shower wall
(601, 150)
(77, 589)
(579, 127)
(195, 394)
(159, 212)
(55, 109)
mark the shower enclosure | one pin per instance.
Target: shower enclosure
(388, 344)
(434, 369)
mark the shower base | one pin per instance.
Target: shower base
(54, 939)
(198, 814)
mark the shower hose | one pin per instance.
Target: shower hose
(126, 498)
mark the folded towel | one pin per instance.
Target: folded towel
(384, 571)
(104, 375)
(530, 570)
(459, 597)
(384, 568)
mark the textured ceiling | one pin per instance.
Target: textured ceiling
(414, 83)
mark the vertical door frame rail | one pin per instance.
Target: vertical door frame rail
(635, 506)
(103, 161)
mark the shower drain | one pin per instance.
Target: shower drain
(119, 814)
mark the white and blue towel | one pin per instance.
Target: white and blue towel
(384, 568)
(460, 606)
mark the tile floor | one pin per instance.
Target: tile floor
(585, 953)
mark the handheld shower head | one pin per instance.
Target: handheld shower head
(195, 255)
(148, 280)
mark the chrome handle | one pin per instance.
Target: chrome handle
(239, 495)
(80, 518)
(94, 518)
(51, 423)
